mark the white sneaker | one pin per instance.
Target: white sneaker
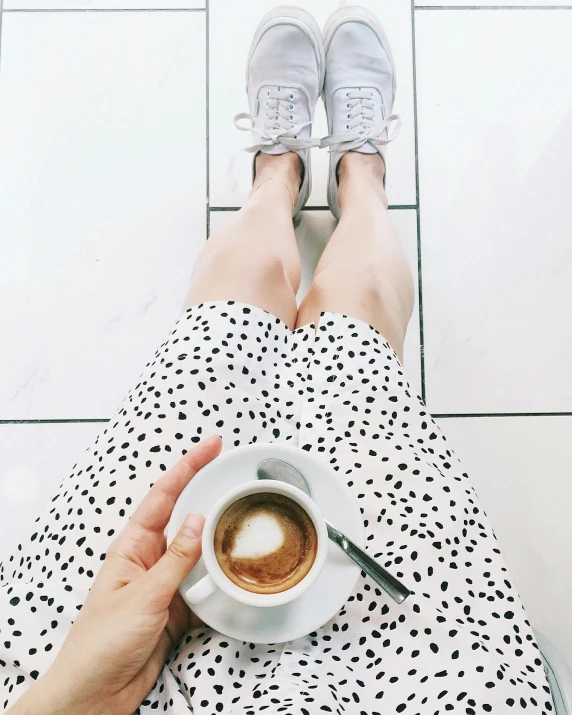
(284, 78)
(359, 90)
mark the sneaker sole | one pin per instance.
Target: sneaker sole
(292, 15)
(355, 13)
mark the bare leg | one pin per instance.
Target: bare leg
(363, 272)
(254, 258)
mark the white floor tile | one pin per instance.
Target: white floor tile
(520, 468)
(313, 234)
(102, 4)
(495, 141)
(232, 26)
(35, 461)
(102, 199)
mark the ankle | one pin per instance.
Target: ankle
(287, 168)
(354, 166)
(361, 176)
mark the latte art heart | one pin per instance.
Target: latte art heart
(260, 535)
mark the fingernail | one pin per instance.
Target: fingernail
(193, 525)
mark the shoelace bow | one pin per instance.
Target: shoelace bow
(278, 127)
(361, 127)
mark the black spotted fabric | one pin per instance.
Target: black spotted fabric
(461, 643)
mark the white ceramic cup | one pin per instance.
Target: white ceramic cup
(216, 578)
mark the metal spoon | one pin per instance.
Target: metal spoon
(284, 472)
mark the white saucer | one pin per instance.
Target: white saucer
(325, 598)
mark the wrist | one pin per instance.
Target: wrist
(51, 695)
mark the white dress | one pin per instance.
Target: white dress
(460, 643)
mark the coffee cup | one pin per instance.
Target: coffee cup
(264, 543)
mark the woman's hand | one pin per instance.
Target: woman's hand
(134, 614)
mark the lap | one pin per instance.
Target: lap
(340, 392)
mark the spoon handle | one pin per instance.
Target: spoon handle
(389, 583)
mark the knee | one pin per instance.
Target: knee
(370, 283)
(256, 263)
(385, 298)
(356, 281)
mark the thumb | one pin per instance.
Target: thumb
(184, 551)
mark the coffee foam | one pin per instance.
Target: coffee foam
(260, 535)
(265, 542)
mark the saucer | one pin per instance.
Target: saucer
(325, 598)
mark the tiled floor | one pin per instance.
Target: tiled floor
(116, 154)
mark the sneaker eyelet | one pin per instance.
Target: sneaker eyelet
(347, 95)
(291, 117)
(347, 126)
(291, 107)
(291, 96)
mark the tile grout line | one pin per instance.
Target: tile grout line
(493, 7)
(53, 421)
(1, 13)
(419, 262)
(203, 9)
(106, 9)
(500, 414)
(207, 119)
(391, 207)
(436, 416)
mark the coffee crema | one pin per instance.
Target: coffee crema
(265, 542)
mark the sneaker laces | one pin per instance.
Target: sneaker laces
(278, 126)
(361, 125)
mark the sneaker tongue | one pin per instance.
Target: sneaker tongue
(367, 148)
(274, 149)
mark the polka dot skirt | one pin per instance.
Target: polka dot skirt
(460, 643)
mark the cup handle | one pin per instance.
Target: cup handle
(201, 590)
